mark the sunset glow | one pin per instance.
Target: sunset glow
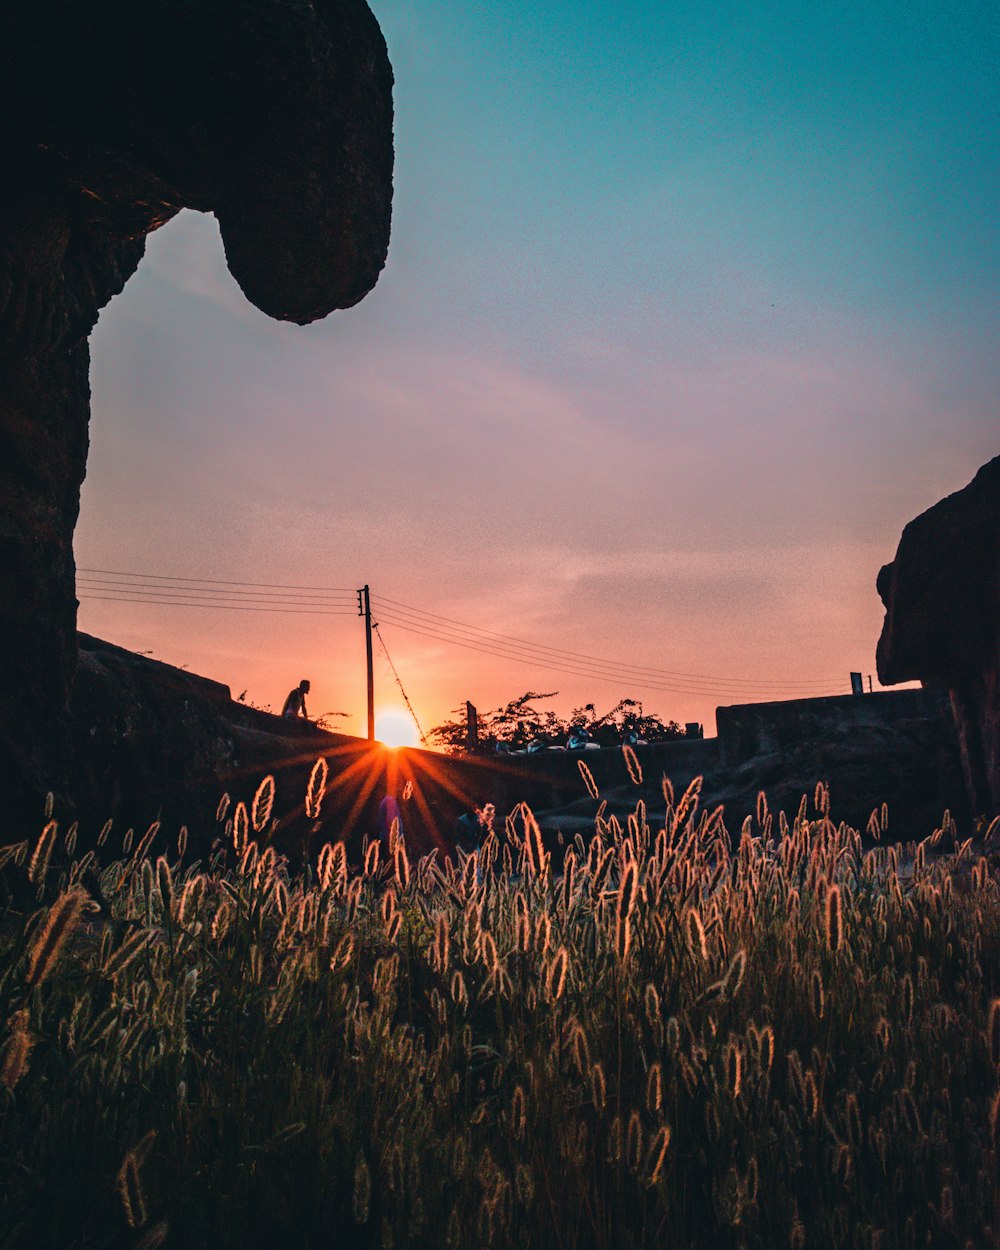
(663, 453)
(396, 729)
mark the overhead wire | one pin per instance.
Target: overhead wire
(163, 577)
(222, 607)
(117, 586)
(303, 598)
(674, 687)
(417, 615)
(596, 668)
(399, 683)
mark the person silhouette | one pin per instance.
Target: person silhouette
(295, 704)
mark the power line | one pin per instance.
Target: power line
(406, 698)
(644, 683)
(416, 614)
(234, 596)
(292, 599)
(598, 668)
(204, 589)
(222, 607)
(348, 590)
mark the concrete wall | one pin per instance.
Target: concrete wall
(749, 729)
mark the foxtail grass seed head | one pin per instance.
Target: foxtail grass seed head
(632, 764)
(993, 1032)
(834, 919)
(854, 1130)
(38, 865)
(130, 1183)
(598, 1087)
(15, 1055)
(537, 857)
(401, 866)
(817, 995)
(241, 826)
(518, 1113)
(362, 1190)
(629, 890)
(733, 979)
(633, 1142)
(734, 1069)
(766, 1048)
(442, 944)
(657, 1155)
(696, 934)
(623, 937)
(263, 805)
(654, 1089)
(555, 981)
(342, 953)
(906, 997)
(579, 1048)
(588, 779)
(221, 921)
(165, 885)
(59, 924)
(129, 950)
(316, 788)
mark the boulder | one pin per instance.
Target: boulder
(274, 115)
(942, 621)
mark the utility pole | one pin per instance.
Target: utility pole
(365, 610)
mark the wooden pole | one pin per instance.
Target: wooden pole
(371, 671)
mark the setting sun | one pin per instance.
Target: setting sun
(396, 729)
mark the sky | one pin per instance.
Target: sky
(688, 309)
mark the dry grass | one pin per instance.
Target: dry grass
(683, 1040)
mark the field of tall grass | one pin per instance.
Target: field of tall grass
(686, 1037)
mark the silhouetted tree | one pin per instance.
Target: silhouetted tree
(518, 723)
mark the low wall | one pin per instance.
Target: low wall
(749, 729)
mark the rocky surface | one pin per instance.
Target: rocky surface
(942, 620)
(276, 116)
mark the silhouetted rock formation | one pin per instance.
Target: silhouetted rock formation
(942, 620)
(273, 114)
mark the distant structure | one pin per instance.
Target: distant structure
(471, 728)
(942, 621)
(274, 115)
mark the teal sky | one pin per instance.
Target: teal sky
(689, 308)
